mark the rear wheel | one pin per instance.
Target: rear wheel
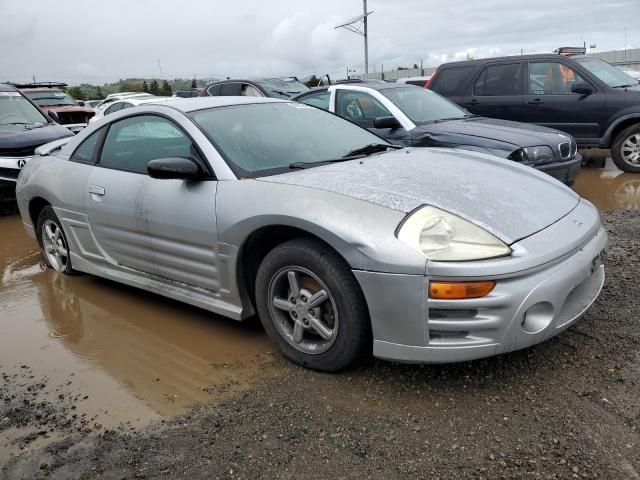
(625, 150)
(311, 305)
(53, 242)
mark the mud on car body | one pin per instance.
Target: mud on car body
(340, 242)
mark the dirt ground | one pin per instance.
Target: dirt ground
(91, 388)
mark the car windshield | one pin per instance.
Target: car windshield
(612, 76)
(265, 139)
(422, 105)
(51, 98)
(283, 88)
(17, 110)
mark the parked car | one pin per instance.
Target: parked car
(114, 97)
(128, 102)
(286, 87)
(418, 81)
(92, 103)
(194, 92)
(23, 128)
(581, 95)
(415, 117)
(338, 240)
(58, 104)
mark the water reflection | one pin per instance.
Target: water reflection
(609, 188)
(127, 349)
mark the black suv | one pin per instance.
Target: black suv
(582, 95)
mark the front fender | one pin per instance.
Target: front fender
(361, 232)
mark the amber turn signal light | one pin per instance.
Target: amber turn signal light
(460, 290)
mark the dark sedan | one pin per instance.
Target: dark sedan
(23, 128)
(412, 116)
(280, 87)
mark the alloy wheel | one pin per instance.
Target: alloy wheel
(303, 310)
(630, 150)
(54, 245)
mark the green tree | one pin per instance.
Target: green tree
(145, 87)
(166, 89)
(99, 93)
(154, 88)
(312, 82)
(76, 93)
(194, 84)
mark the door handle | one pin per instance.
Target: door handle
(472, 102)
(535, 101)
(96, 190)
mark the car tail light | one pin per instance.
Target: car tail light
(460, 290)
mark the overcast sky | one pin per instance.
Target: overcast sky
(99, 41)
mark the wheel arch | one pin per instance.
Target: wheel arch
(618, 126)
(259, 243)
(36, 204)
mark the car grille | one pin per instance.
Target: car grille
(568, 149)
(17, 152)
(9, 173)
(67, 118)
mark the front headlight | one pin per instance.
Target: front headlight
(539, 154)
(442, 236)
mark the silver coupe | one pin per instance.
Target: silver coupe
(341, 243)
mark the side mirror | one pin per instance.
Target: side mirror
(53, 116)
(81, 103)
(583, 88)
(174, 168)
(386, 122)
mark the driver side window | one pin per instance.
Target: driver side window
(359, 107)
(133, 142)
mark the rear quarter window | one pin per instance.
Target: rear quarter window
(451, 81)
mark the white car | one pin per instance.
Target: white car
(419, 81)
(127, 102)
(114, 97)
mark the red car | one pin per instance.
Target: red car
(58, 104)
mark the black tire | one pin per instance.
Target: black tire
(617, 146)
(353, 336)
(48, 215)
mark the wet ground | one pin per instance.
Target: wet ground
(96, 378)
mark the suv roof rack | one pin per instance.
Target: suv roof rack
(39, 85)
(571, 51)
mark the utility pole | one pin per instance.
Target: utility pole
(366, 38)
(160, 67)
(34, 78)
(625, 43)
(360, 26)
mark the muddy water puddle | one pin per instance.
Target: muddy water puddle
(608, 187)
(122, 355)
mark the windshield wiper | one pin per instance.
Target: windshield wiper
(370, 149)
(353, 154)
(626, 86)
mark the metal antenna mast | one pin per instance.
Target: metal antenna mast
(360, 29)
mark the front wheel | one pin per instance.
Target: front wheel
(625, 150)
(311, 306)
(53, 242)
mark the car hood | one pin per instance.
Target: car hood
(509, 200)
(486, 132)
(16, 137)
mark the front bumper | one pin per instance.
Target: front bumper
(523, 310)
(565, 171)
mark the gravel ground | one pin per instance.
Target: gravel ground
(568, 408)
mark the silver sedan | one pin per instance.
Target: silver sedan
(341, 243)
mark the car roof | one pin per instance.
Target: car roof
(372, 85)
(193, 104)
(533, 56)
(141, 100)
(253, 80)
(7, 88)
